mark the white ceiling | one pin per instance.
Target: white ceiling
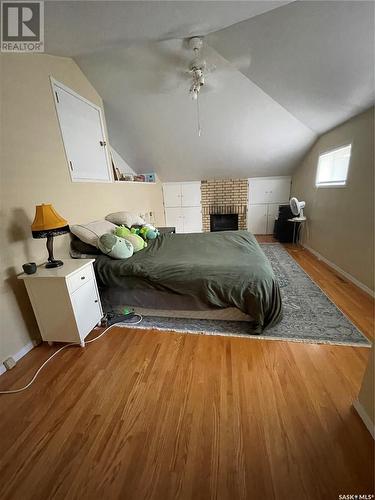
(244, 131)
(315, 58)
(311, 68)
(79, 27)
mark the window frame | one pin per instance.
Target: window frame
(333, 184)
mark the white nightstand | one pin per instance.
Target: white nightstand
(65, 300)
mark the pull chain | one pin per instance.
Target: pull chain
(198, 117)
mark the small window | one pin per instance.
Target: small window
(333, 167)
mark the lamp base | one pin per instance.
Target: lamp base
(54, 263)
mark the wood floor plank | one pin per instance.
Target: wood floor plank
(154, 415)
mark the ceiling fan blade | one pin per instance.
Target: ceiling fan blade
(241, 63)
(170, 53)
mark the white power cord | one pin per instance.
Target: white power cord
(14, 391)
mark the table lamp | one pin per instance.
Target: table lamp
(47, 224)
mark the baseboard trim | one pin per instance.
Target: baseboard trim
(20, 354)
(364, 417)
(338, 269)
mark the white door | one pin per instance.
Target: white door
(192, 218)
(82, 131)
(257, 219)
(191, 194)
(174, 218)
(279, 190)
(258, 191)
(87, 310)
(172, 195)
(272, 212)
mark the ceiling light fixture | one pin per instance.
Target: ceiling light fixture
(196, 68)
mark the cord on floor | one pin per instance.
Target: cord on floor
(14, 391)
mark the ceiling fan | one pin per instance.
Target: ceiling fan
(197, 67)
(197, 70)
(188, 63)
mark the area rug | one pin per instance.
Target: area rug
(309, 315)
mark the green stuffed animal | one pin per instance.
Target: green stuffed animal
(115, 247)
(122, 231)
(132, 237)
(137, 242)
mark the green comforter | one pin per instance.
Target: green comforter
(222, 269)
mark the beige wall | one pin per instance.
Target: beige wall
(34, 170)
(341, 220)
(366, 394)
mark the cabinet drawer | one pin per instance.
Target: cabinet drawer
(80, 278)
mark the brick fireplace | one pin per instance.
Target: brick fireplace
(224, 196)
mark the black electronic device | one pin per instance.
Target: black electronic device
(283, 229)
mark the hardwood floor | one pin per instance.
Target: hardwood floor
(144, 414)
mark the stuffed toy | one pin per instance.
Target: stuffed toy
(115, 247)
(137, 242)
(148, 232)
(151, 232)
(122, 231)
(132, 237)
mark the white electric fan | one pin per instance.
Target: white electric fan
(297, 207)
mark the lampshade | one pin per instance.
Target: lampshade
(48, 222)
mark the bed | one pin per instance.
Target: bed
(201, 274)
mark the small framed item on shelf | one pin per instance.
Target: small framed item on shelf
(150, 177)
(127, 177)
(139, 178)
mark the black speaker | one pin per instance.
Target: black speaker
(283, 230)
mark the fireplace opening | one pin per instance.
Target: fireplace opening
(224, 222)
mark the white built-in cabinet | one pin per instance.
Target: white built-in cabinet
(182, 204)
(265, 196)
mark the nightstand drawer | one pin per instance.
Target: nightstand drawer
(80, 278)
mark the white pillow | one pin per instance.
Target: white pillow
(91, 232)
(128, 219)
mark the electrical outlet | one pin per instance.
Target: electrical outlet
(9, 363)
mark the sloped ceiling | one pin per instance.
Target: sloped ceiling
(312, 66)
(315, 58)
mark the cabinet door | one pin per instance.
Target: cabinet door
(257, 219)
(272, 212)
(174, 218)
(191, 194)
(87, 308)
(192, 218)
(278, 190)
(258, 191)
(82, 131)
(172, 195)
(269, 190)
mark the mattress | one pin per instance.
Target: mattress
(204, 271)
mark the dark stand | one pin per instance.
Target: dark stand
(166, 230)
(51, 260)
